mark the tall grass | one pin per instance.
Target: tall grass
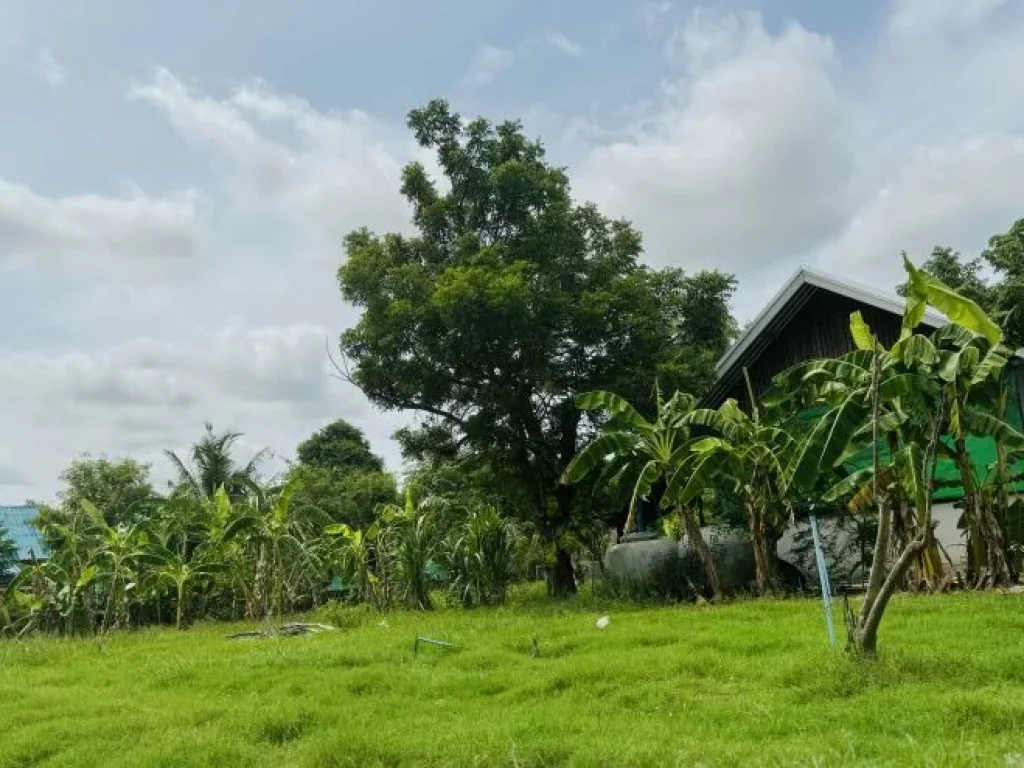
(748, 683)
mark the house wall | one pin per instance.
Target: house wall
(847, 568)
(821, 328)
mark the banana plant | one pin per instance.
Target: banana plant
(355, 556)
(279, 537)
(916, 400)
(119, 553)
(844, 387)
(182, 576)
(749, 455)
(643, 454)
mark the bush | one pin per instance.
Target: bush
(482, 557)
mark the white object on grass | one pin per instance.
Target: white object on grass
(603, 622)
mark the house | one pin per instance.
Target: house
(810, 318)
(18, 522)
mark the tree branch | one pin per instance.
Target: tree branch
(869, 626)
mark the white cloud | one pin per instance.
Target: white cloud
(95, 228)
(488, 62)
(565, 45)
(49, 70)
(325, 172)
(923, 17)
(265, 244)
(770, 150)
(144, 395)
(745, 160)
(951, 195)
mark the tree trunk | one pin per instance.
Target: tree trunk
(700, 546)
(879, 558)
(561, 575)
(988, 565)
(763, 560)
(866, 638)
(179, 613)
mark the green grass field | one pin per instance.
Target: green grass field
(750, 683)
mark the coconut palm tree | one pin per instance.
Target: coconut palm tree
(211, 465)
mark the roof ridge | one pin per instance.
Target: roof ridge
(804, 275)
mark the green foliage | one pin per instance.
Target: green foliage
(965, 276)
(661, 686)
(634, 453)
(120, 487)
(407, 536)
(508, 300)
(343, 496)
(999, 294)
(481, 557)
(211, 465)
(338, 476)
(339, 446)
(1005, 254)
(960, 310)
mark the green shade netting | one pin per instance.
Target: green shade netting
(982, 450)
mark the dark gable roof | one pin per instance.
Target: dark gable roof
(794, 295)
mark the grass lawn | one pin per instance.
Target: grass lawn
(750, 683)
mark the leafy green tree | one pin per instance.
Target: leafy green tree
(702, 327)
(344, 497)
(340, 476)
(339, 446)
(1005, 254)
(212, 465)
(119, 487)
(507, 301)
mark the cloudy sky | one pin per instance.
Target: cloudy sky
(175, 177)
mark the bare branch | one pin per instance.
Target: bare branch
(341, 372)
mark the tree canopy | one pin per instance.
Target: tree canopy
(340, 476)
(120, 487)
(339, 446)
(994, 279)
(507, 300)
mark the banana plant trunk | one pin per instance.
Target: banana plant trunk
(764, 560)
(179, 612)
(987, 562)
(700, 546)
